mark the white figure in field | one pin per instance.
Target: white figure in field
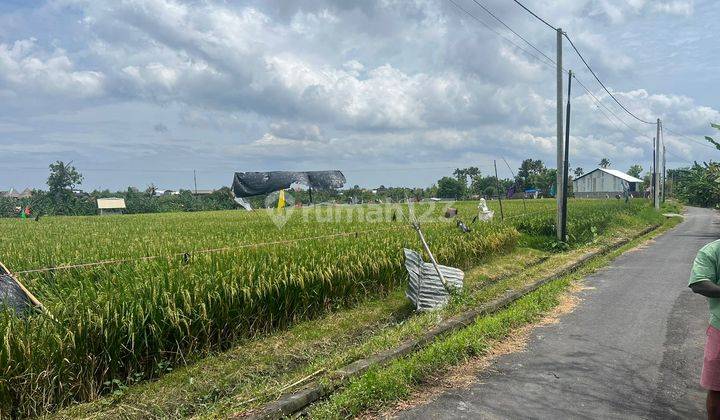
(484, 213)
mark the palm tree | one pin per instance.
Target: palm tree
(473, 172)
(578, 171)
(635, 171)
(604, 162)
(460, 174)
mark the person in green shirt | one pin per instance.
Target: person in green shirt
(704, 280)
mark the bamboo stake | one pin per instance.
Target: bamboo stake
(299, 381)
(416, 225)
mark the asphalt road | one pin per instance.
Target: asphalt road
(632, 348)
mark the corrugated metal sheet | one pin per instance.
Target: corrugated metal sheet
(425, 288)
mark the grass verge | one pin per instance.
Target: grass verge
(381, 386)
(257, 371)
(260, 370)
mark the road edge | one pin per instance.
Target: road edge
(294, 402)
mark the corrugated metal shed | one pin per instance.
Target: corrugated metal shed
(614, 172)
(602, 182)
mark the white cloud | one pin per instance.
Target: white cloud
(288, 130)
(675, 7)
(317, 82)
(26, 68)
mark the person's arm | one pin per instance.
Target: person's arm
(706, 288)
(704, 274)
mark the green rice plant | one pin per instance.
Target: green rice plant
(119, 323)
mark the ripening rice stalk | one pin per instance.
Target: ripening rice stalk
(131, 321)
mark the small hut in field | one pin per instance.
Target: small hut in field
(110, 205)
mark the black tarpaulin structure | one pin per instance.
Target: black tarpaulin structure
(247, 184)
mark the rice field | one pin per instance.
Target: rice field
(179, 285)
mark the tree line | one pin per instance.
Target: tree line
(699, 183)
(63, 198)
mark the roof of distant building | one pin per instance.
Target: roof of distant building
(13, 193)
(613, 172)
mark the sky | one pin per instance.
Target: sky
(391, 92)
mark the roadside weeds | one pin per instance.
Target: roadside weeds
(255, 373)
(406, 378)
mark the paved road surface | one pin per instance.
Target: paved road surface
(631, 349)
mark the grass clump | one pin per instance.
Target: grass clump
(380, 386)
(117, 325)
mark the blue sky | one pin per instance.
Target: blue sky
(391, 92)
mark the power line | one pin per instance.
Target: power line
(601, 83)
(682, 159)
(513, 31)
(598, 101)
(553, 62)
(595, 98)
(612, 121)
(485, 24)
(662, 135)
(536, 16)
(662, 127)
(700, 142)
(582, 58)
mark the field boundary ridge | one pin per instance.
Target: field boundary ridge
(293, 402)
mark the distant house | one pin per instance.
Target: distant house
(159, 193)
(602, 183)
(13, 193)
(26, 193)
(111, 205)
(202, 192)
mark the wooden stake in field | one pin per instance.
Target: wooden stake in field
(437, 291)
(416, 226)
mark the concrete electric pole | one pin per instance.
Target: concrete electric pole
(559, 189)
(664, 162)
(563, 227)
(656, 164)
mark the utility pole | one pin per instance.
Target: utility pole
(664, 172)
(672, 184)
(656, 164)
(559, 190)
(652, 181)
(497, 185)
(563, 226)
(195, 180)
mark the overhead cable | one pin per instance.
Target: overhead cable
(700, 142)
(485, 24)
(601, 83)
(513, 31)
(535, 15)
